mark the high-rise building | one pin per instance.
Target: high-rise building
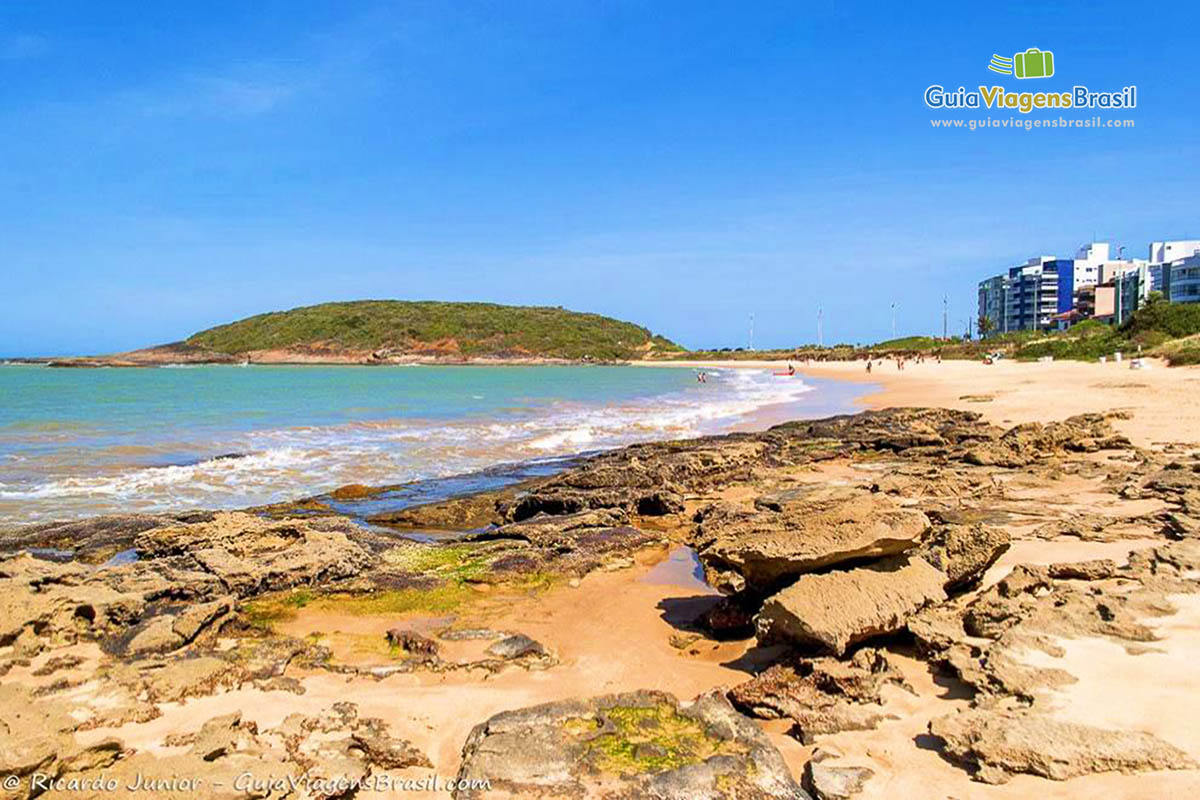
(1133, 284)
(1047, 292)
(1162, 254)
(1038, 290)
(992, 294)
(1183, 282)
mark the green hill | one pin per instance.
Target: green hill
(386, 328)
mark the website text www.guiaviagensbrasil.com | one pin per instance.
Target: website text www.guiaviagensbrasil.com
(1023, 124)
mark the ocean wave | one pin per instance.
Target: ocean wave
(283, 463)
(208, 475)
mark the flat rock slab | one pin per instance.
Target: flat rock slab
(838, 609)
(997, 744)
(759, 551)
(835, 783)
(639, 744)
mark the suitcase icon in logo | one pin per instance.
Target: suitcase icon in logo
(1034, 63)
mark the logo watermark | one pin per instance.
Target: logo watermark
(246, 783)
(1032, 63)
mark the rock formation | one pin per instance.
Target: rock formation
(998, 744)
(833, 576)
(640, 744)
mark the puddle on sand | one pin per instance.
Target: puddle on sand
(122, 558)
(681, 567)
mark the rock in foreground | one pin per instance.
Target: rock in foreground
(789, 536)
(640, 744)
(1001, 743)
(838, 609)
(820, 695)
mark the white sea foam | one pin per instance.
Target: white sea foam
(290, 462)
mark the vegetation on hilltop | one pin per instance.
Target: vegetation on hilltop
(397, 327)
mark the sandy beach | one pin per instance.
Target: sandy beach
(631, 624)
(536, 401)
(1160, 399)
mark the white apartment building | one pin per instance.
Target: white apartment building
(1089, 264)
(1163, 253)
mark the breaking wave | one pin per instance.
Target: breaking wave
(274, 464)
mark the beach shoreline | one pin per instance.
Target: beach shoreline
(315, 598)
(1160, 399)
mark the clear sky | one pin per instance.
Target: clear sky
(170, 166)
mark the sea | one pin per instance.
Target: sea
(80, 442)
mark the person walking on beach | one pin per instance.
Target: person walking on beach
(868, 366)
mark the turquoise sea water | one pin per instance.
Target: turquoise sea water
(84, 441)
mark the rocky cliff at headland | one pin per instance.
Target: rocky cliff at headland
(398, 331)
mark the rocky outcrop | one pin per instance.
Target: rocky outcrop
(837, 609)
(828, 782)
(516, 646)
(93, 540)
(820, 695)
(382, 749)
(641, 744)
(62, 601)
(565, 532)
(37, 735)
(896, 429)
(963, 552)
(1033, 441)
(170, 631)
(788, 536)
(982, 638)
(898, 544)
(186, 581)
(1030, 599)
(729, 618)
(227, 757)
(998, 744)
(250, 555)
(464, 513)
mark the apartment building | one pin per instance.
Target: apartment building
(1048, 292)
(992, 294)
(1162, 255)
(1038, 290)
(1183, 283)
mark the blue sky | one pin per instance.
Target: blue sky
(167, 168)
